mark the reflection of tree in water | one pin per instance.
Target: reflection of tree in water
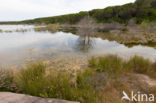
(84, 43)
(86, 29)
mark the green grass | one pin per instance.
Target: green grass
(139, 64)
(102, 82)
(60, 86)
(31, 79)
(35, 81)
(115, 65)
(111, 64)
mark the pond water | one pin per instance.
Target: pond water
(60, 49)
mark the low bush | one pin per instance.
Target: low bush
(35, 81)
(59, 86)
(32, 79)
(6, 80)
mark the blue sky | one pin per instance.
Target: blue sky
(29, 9)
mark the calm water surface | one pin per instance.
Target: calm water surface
(60, 50)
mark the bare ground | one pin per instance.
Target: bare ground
(7, 97)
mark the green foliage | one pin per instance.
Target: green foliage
(110, 64)
(140, 10)
(84, 89)
(35, 81)
(32, 78)
(70, 19)
(60, 86)
(93, 85)
(115, 65)
(139, 64)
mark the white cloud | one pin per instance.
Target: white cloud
(27, 9)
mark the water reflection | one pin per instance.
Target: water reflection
(18, 48)
(84, 43)
(85, 31)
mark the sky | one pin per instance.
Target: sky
(16, 10)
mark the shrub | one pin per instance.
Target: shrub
(60, 86)
(35, 81)
(6, 80)
(32, 79)
(85, 91)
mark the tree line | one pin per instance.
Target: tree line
(140, 10)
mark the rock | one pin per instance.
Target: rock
(151, 82)
(7, 97)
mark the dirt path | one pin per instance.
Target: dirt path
(7, 97)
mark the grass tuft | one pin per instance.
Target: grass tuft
(32, 78)
(51, 27)
(6, 80)
(139, 64)
(111, 64)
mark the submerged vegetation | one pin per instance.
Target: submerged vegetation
(50, 27)
(21, 30)
(103, 81)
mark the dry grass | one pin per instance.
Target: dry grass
(102, 82)
(6, 80)
(50, 27)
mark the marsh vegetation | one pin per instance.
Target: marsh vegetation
(90, 38)
(101, 82)
(51, 27)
